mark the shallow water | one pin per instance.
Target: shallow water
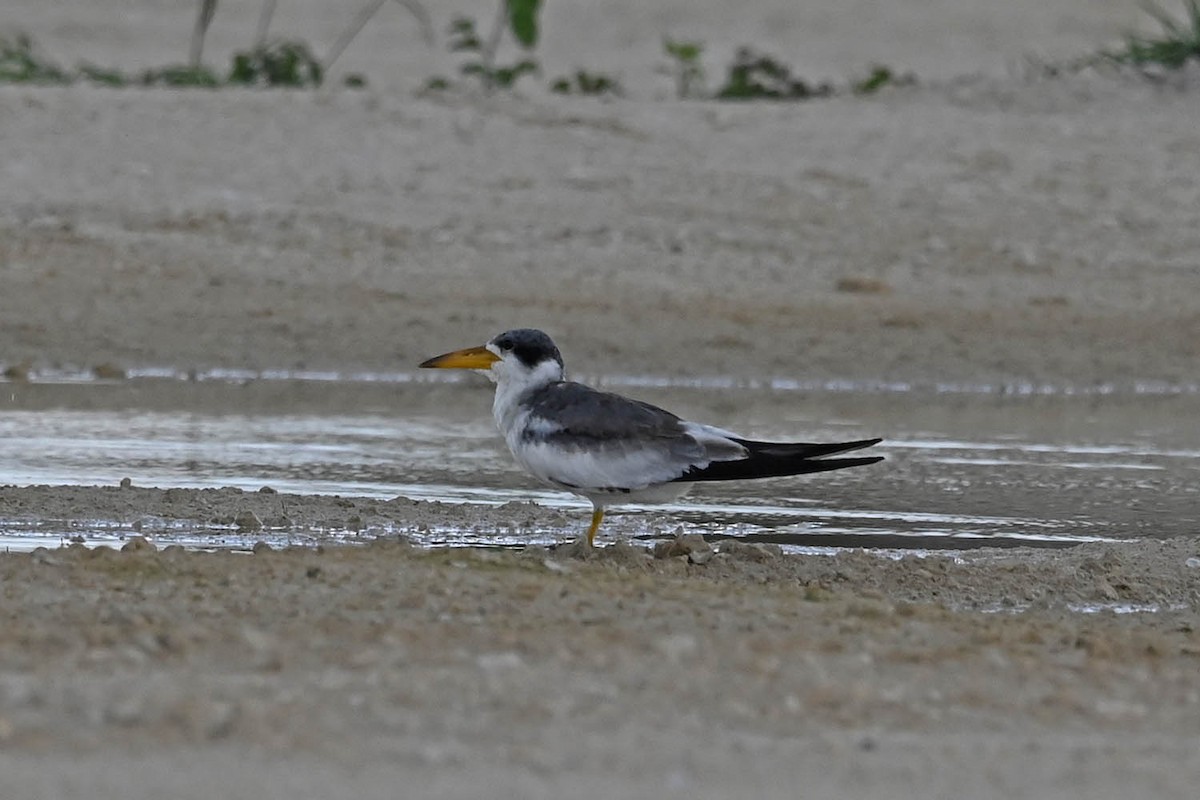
(962, 470)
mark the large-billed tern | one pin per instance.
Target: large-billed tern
(612, 449)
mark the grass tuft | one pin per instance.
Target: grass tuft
(283, 63)
(181, 76)
(20, 62)
(685, 67)
(1178, 42)
(882, 76)
(582, 82)
(754, 76)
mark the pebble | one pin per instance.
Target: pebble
(1106, 590)
(751, 551)
(174, 551)
(207, 719)
(677, 647)
(138, 544)
(101, 552)
(690, 545)
(264, 649)
(247, 520)
(495, 662)
(555, 566)
(40, 555)
(108, 372)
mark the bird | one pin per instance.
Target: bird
(613, 449)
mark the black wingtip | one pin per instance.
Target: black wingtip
(802, 450)
(765, 464)
(826, 464)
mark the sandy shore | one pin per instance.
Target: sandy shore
(619, 675)
(978, 229)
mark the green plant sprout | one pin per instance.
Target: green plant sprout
(20, 62)
(102, 75)
(282, 63)
(880, 77)
(519, 17)
(586, 83)
(753, 76)
(685, 67)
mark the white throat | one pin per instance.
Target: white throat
(513, 381)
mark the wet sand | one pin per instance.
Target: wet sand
(618, 675)
(976, 235)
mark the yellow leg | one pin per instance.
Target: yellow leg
(597, 518)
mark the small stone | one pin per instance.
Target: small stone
(577, 549)
(1106, 590)
(267, 490)
(751, 551)
(126, 483)
(138, 544)
(18, 373)
(684, 544)
(247, 520)
(40, 555)
(264, 649)
(390, 540)
(862, 285)
(499, 662)
(624, 554)
(677, 647)
(206, 719)
(261, 547)
(816, 593)
(108, 372)
(126, 711)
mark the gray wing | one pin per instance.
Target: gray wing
(579, 437)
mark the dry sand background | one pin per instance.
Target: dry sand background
(1006, 229)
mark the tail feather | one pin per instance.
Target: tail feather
(779, 459)
(803, 449)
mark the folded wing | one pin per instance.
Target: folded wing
(777, 459)
(581, 438)
(577, 437)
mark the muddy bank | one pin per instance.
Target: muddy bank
(1148, 574)
(539, 665)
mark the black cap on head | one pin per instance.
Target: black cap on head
(530, 346)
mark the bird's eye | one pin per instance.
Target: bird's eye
(505, 345)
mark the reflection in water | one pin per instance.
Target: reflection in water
(955, 488)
